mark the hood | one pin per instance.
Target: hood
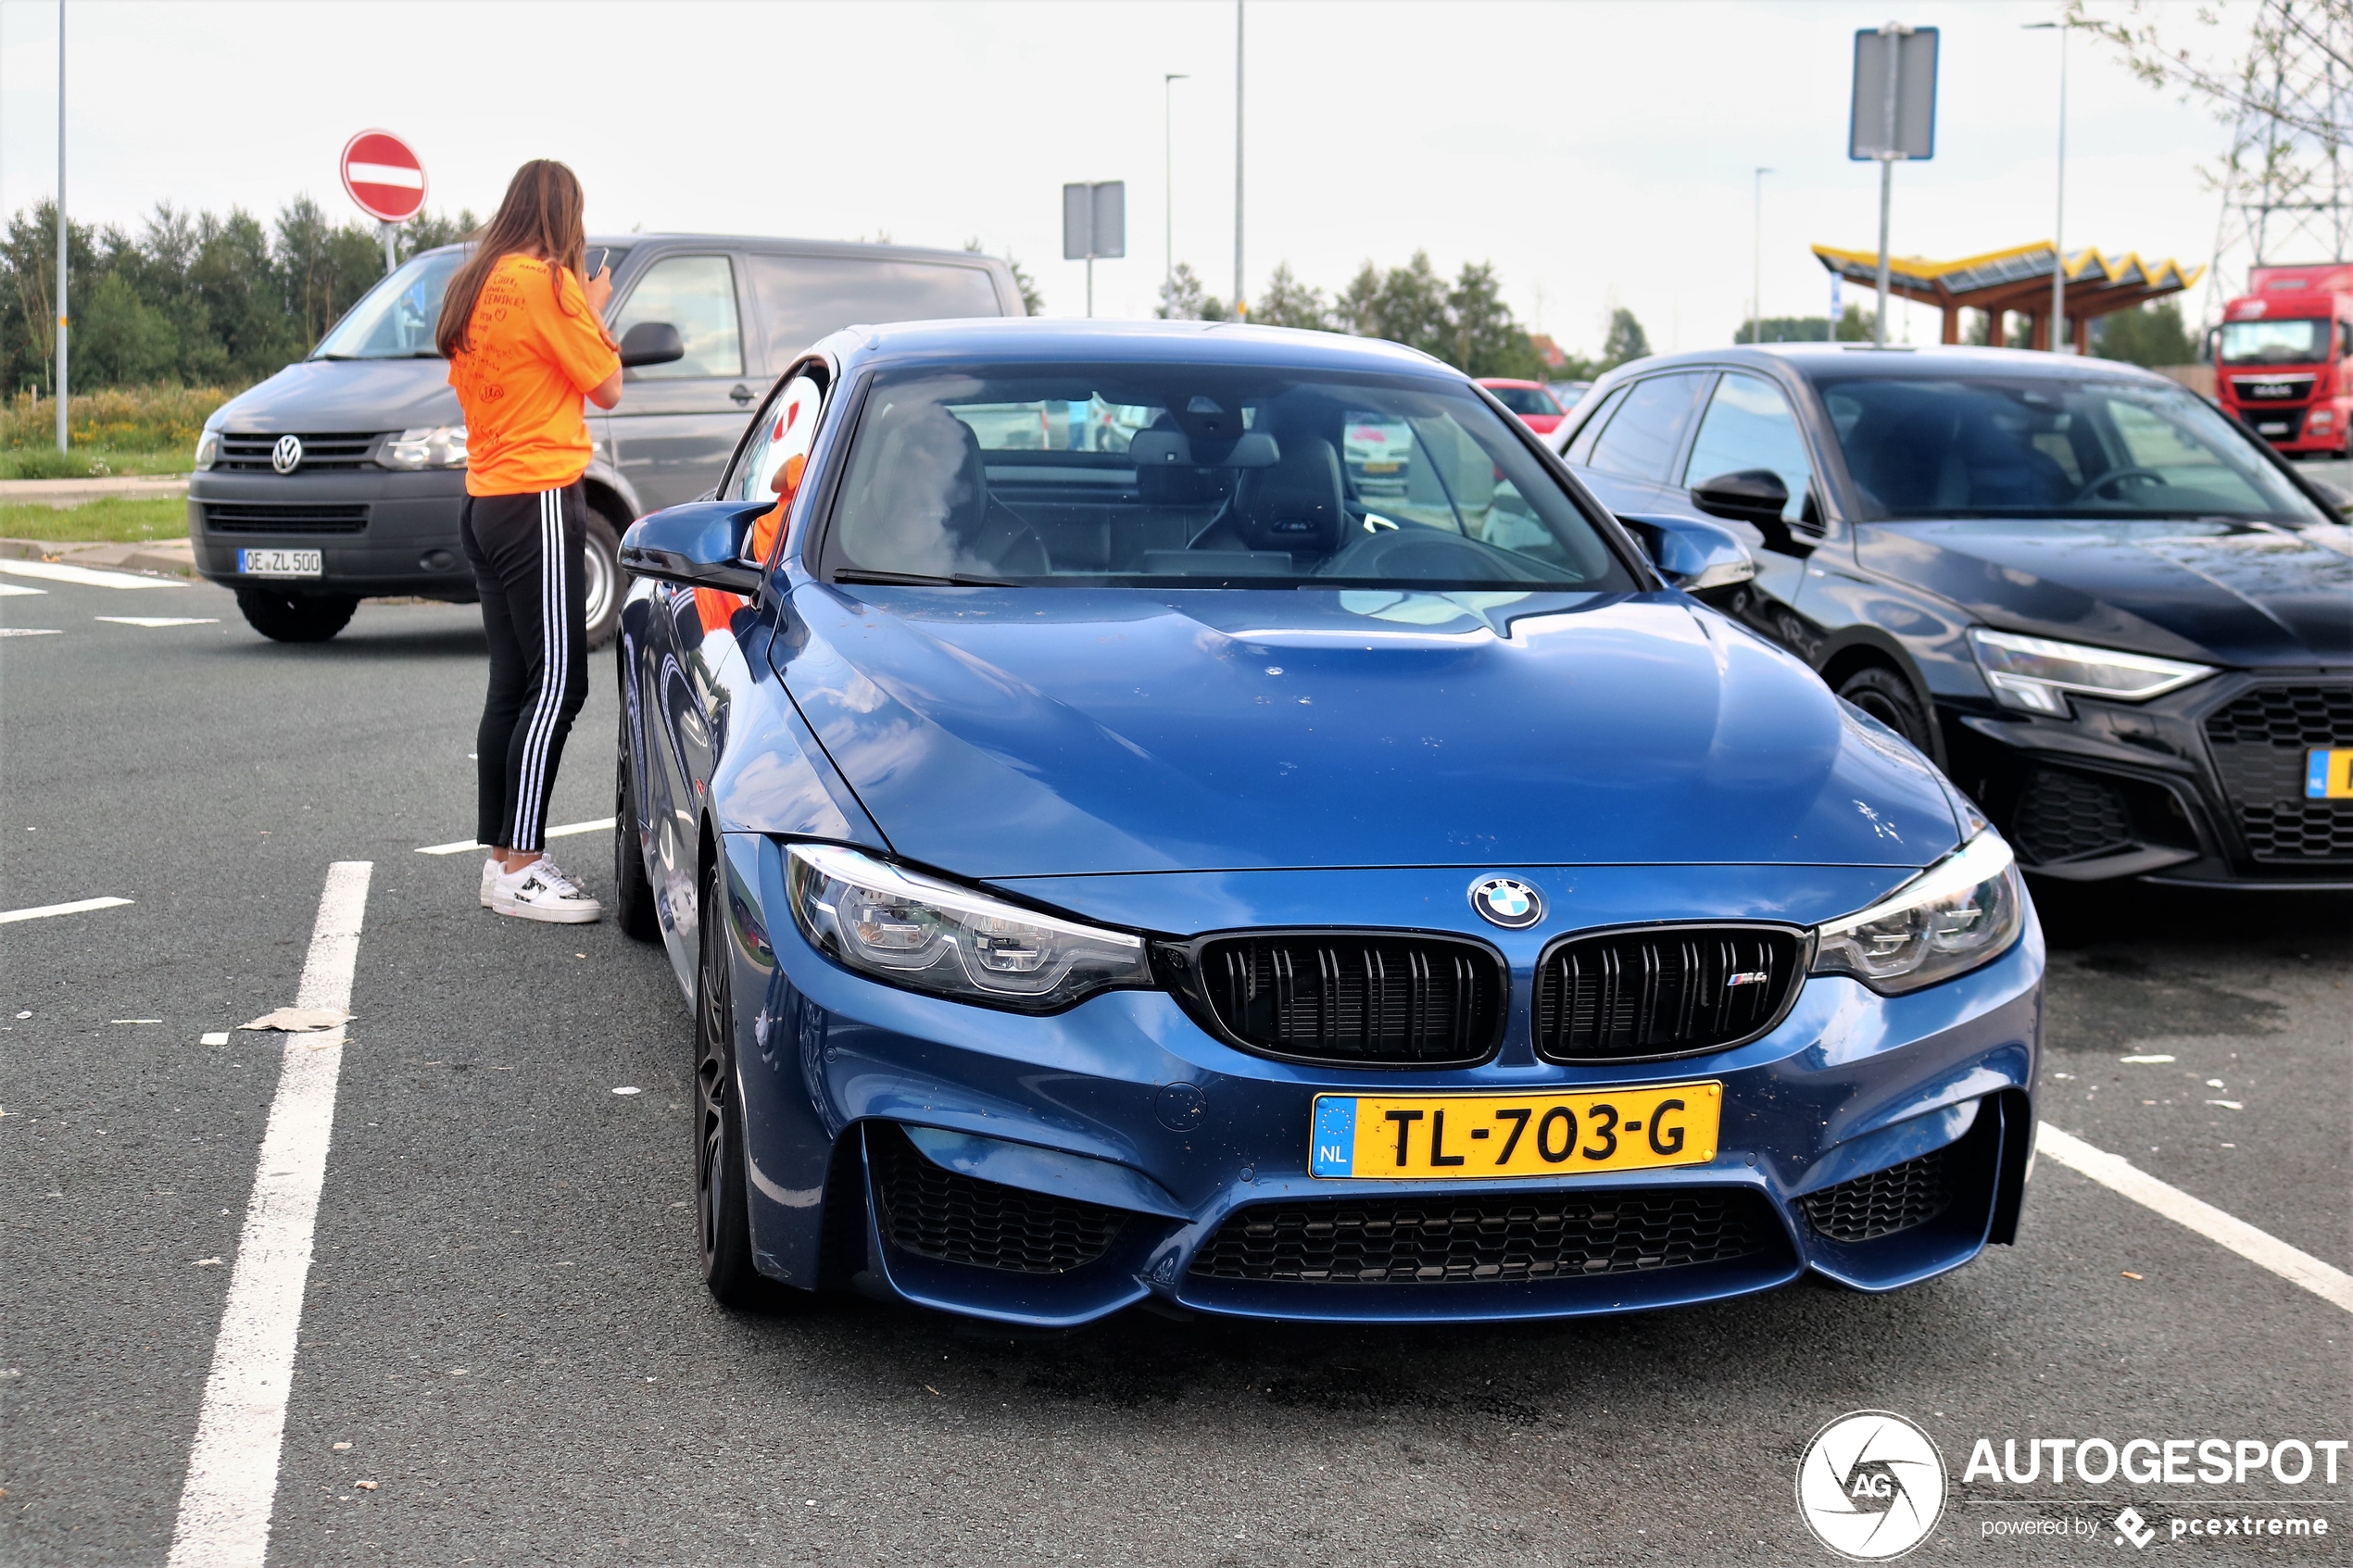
(1043, 733)
(2240, 595)
(330, 396)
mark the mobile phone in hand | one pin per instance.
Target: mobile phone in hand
(593, 262)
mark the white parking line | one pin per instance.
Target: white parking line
(232, 1469)
(161, 620)
(58, 571)
(602, 824)
(42, 912)
(8, 590)
(29, 632)
(2260, 1247)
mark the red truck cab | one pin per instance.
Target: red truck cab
(2283, 361)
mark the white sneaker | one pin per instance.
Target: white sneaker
(491, 872)
(541, 891)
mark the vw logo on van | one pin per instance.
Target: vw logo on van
(1508, 902)
(286, 456)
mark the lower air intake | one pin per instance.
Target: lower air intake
(935, 1212)
(1656, 991)
(1500, 1237)
(1885, 1201)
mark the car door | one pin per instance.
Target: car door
(1626, 452)
(676, 424)
(1747, 424)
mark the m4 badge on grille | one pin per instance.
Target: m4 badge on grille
(1748, 977)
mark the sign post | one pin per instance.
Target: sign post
(387, 181)
(1892, 119)
(1094, 224)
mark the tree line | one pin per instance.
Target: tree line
(191, 299)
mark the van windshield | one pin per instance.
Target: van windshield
(395, 319)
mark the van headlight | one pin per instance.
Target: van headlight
(1963, 911)
(907, 929)
(2034, 673)
(208, 449)
(443, 447)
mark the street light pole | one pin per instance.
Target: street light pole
(1168, 175)
(1756, 279)
(2058, 219)
(1239, 307)
(1894, 34)
(61, 226)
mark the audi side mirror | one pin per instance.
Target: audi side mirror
(1755, 495)
(1694, 554)
(651, 343)
(699, 544)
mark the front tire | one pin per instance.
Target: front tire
(1887, 697)
(601, 584)
(722, 1214)
(296, 618)
(633, 891)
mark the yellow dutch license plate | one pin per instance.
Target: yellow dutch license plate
(1419, 1136)
(2328, 775)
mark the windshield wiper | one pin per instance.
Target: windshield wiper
(918, 579)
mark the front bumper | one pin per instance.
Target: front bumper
(2203, 787)
(379, 532)
(1124, 1105)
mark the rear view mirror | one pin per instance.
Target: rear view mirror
(700, 544)
(1694, 554)
(651, 343)
(1754, 496)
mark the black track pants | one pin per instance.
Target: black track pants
(526, 551)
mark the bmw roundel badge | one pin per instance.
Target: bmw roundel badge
(1508, 902)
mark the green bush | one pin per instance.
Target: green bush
(153, 429)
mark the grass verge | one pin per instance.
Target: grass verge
(89, 462)
(114, 520)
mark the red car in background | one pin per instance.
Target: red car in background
(1537, 408)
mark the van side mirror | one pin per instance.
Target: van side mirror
(699, 544)
(1694, 554)
(651, 343)
(1754, 496)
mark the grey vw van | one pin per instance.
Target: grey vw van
(341, 477)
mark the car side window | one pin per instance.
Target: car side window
(1749, 425)
(696, 295)
(775, 457)
(803, 298)
(1645, 431)
(1580, 447)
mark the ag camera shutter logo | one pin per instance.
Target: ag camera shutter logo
(1872, 1485)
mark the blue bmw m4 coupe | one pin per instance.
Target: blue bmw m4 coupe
(1218, 818)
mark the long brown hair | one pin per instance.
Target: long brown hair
(540, 216)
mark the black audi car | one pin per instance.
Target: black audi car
(2113, 616)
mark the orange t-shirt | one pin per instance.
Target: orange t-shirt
(529, 360)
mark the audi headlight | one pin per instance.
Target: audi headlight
(2034, 673)
(208, 449)
(906, 929)
(443, 447)
(1963, 911)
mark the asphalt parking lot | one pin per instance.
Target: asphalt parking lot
(506, 1355)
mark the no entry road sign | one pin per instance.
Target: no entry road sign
(384, 175)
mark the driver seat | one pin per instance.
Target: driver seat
(1299, 505)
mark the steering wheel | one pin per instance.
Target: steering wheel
(2114, 476)
(1404, 554)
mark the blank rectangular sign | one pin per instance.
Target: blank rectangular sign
(1913, 55)
(1094, 219)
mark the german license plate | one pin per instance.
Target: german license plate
(281, 563)
(1421, 1136)
(2328, 775)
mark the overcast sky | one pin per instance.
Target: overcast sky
(1597, 153)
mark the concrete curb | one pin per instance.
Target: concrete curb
(166, 558)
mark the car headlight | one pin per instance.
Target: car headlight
(443, 447)
(208, 449)
(2032, 673)
(1963, 911)
(906, 929)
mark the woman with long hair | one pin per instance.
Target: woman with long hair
(524, 334)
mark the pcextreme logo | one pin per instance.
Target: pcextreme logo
(1870, 1486)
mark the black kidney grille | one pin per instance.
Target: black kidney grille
(1355, 998)
(2259, 740)
(935, 1212)
(1490, 1237)
(1662, 991)
(1883, 1203)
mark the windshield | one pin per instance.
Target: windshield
(395, 319)
(2044, 446)
(1201, 477)
(2304, 342)
(1525, 399)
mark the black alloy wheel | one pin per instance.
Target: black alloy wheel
(296, 618)
(1887, 697)
(723, 1219)
(633, 890)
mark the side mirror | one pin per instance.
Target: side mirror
(1694, 554)
(700, 544)
(651, 343)
(1754, 496)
